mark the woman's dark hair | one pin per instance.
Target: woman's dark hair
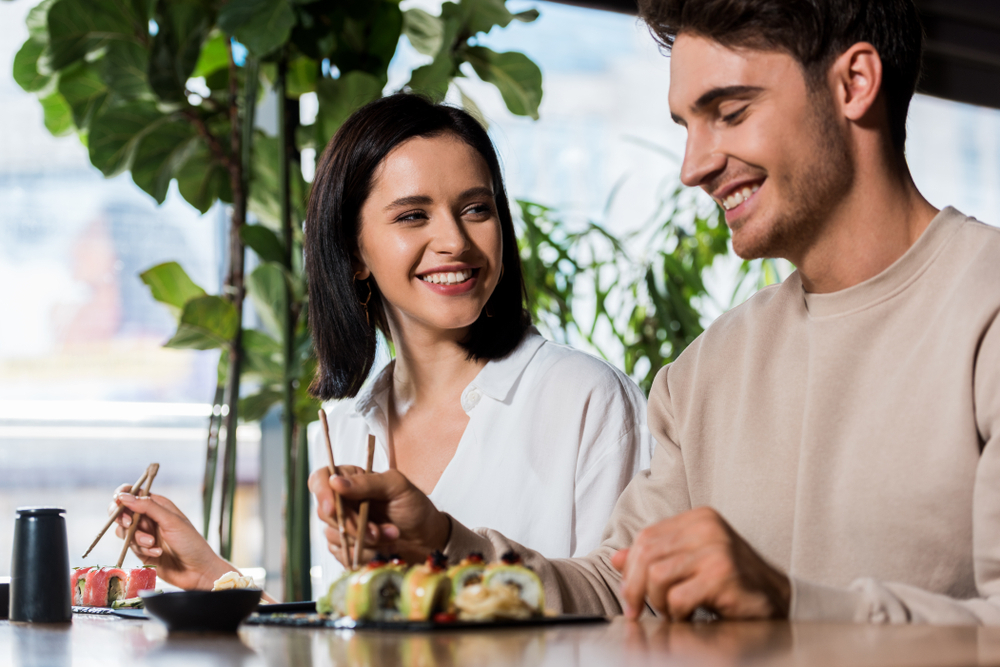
(345, 341)
(814, 32)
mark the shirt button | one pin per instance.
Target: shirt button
(472, 399)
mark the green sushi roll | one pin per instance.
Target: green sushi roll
(469, 571)
(426, 589)
(373, 592)
(510, 572)
(334, 603)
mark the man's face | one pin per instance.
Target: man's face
(764, 146)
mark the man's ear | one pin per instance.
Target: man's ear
(856, 80)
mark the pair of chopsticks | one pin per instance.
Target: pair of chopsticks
(363, 515)
(137, 489)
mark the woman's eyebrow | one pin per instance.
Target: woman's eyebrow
(423, 200)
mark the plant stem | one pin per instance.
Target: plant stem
(211, 459)
(240, 127)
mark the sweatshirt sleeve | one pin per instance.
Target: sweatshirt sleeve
(870, 601)
(590, 585)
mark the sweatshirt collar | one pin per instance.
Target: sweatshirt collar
(893, 280)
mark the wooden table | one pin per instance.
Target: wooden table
(108, 641)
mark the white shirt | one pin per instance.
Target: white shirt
(554, 436)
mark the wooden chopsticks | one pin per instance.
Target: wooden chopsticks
(363, 518)
(152, 470)
(338, 502)
(121, 508)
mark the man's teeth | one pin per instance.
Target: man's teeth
(449, 278)
(738, 197)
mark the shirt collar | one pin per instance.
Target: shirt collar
(496, 379)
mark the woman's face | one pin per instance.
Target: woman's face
(430, 234)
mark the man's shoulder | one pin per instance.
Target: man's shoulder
(764, 310)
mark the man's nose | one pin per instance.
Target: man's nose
(702, 159)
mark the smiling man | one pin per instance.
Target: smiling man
(831, 448)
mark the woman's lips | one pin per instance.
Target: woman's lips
(452, 289)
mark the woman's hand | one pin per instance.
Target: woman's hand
(402, 519)
(167, 540)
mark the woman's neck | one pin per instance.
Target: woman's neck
(431, 367)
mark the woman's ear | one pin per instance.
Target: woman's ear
(361, 270)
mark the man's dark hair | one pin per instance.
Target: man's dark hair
(343, 334)
(814, 32)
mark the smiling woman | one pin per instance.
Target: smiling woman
(410, 233)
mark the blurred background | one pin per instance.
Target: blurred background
(88, 394)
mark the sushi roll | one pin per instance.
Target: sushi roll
(426, 589)
(78, 584)
(469, 571)
(104, 586)
(511, 572)
(373, 592)
(140, 579)
(334, 603)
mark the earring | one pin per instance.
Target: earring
(487, 309)
(364, 304)
(501, 274)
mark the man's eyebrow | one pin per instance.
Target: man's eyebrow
(726, 91)
(423, 200)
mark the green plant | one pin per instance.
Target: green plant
(643, 292)
(167, 90)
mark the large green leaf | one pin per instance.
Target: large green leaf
(264, 242)
(254, 408)
(482, 15)
(207, 322)
(183, 26)
(425, 32)
(160, 154)
(264, 356)
(170, 285)
(123, 69)
(81, 27)
(58, 115)
(202, 180)
(514, 74)
(38, 21)
(266, 287)
(260, 25)
(26, 72)
(85, 91)
(264, 187)
(115, 134)
(214, 56)
(339, 98)
(434, 78)
(306, 405)
(301, 77)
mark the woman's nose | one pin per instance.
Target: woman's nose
(449, 236)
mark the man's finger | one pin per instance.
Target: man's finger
(663, 575)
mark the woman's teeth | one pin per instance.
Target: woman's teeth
(450, 278)
(738, 197)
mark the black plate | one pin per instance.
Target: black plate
(307, 607)
(305, 620)
(202, 611)
(108, 611)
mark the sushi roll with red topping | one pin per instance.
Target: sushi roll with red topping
(373, 592)
(468, 572)
(78, 584)
(140, 579)
(104, 586)
(426, 589)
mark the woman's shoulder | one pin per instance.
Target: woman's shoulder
(580, 372)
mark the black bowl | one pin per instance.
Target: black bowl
(202, 611)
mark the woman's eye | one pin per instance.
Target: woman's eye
(411, 216)
(479, 210)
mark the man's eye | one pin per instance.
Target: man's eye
(735, 115)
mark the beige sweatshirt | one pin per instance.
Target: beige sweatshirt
(852, 438)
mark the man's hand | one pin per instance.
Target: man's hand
(402, 519)
(696, 559)
(166, 539)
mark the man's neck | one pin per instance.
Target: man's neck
(881, 218)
